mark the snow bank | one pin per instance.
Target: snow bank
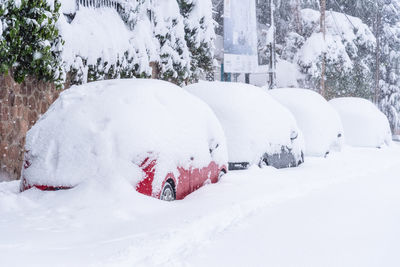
(4, 176)
(104, 130)
(254, 122)
(318, 121)
(364, 124)
(287, 74)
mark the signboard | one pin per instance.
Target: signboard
(240, 36)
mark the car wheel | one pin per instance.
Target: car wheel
(301, 160)
(221, 173)
(168, 192)
(263, 162)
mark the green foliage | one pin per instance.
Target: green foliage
(31, 44)
(201, 56)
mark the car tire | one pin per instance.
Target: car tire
(301, 161)
(168, 192)
(220, 174)
(263, 163)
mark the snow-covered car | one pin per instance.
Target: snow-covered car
(258, 129)
(317, 119)
(364, 124)
(165, 141)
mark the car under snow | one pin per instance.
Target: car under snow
(364, 124)
(258, 129)
(317, 119)
(165, 141)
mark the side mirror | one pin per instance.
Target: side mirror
(294, 135)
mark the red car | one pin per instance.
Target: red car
(106, 129)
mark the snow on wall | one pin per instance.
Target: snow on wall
(68, 6)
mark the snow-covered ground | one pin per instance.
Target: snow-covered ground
(340, 211)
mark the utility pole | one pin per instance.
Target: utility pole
(271, 45)
(295, 5)
(323, 31)
(377, 55)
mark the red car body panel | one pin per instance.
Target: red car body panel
(189, 180)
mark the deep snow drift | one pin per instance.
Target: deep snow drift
(319, 122)
(364, 124)
(339, 211)
(104, 130)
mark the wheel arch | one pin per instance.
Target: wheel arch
(169, 178)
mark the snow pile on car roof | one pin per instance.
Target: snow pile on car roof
(106, 129)
(364, 124)
(319, 122)
(254, 122)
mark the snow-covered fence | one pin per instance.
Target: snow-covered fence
(100, 4)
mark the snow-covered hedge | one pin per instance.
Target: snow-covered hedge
(364, 125)
(30, 43)
(319, 122)
(105, 129)
(107, 42)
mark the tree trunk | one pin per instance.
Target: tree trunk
(297, 16)
(377, 55)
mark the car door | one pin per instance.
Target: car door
(183, 188)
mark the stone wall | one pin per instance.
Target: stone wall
(20, 107)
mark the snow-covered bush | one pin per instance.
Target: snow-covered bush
(319, 122)
(30, 43)
(364, 125)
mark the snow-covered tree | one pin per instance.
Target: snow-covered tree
(199, 35)
(348, 47)
(174, 53)
(383, 17)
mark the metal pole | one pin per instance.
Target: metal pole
(323, 31)
(271, 45)
(377, 55)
